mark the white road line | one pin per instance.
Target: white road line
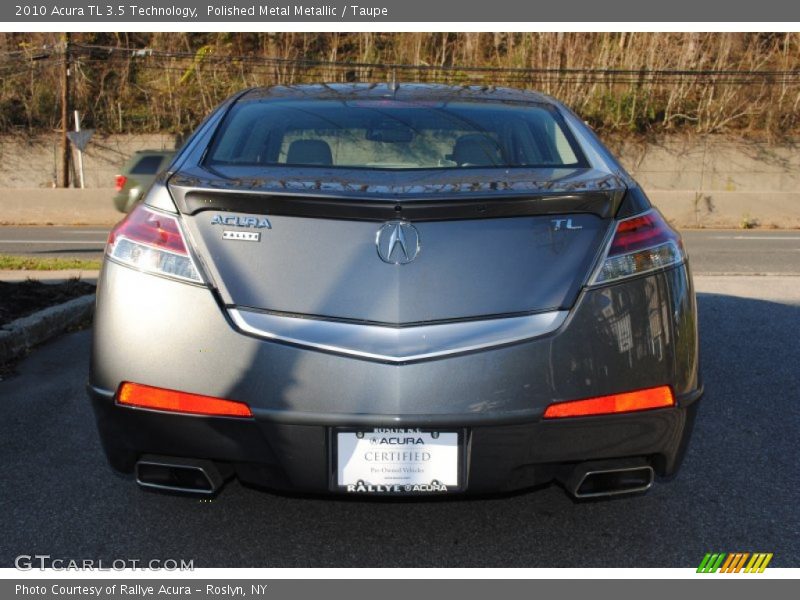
(755, 237)
(54, 242)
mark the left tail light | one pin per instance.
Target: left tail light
(119, 182)
(152, 241)
(640, 244)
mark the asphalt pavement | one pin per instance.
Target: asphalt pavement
(733, 251)
(736, 492)
(712, 251)
(62, 242)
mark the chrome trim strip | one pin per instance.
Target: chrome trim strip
(396, 344)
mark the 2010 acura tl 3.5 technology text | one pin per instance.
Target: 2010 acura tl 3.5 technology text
(395, 289)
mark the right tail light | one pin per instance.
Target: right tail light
(640, 244)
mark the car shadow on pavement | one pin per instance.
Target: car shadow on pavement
(736, 492)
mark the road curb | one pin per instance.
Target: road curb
(21, 335)
(59, 276)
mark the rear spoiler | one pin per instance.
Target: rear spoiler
(446, 207)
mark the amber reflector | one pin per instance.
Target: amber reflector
(657, 397)
(145, 396)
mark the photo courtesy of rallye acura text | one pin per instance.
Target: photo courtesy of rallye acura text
(395, 289)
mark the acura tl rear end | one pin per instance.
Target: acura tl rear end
(395, 290)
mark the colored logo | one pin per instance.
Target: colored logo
(737, 562)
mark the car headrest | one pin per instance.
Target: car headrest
(309, 152)
(476, 149)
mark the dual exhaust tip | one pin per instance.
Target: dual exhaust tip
(185, 475)
(598, 479)
(594, 479)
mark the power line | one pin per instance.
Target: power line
(144, 58)
(146, 53)
(144, 75)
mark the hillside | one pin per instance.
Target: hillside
(740, 83)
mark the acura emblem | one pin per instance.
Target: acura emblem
(397, 242)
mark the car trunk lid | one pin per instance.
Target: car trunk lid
(499, 248)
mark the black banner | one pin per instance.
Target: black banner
(397, 11)
(399, 589)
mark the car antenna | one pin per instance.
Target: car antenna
(393, 85)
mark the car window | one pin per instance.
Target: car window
(147, 165)
(389, 134)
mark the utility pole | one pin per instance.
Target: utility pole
(79, 148)
(65, 110)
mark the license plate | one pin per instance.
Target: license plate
(397, 461)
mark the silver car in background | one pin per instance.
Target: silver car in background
(395, 290)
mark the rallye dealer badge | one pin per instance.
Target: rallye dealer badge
(397, 461)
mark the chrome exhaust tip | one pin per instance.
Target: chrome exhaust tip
(599, 479)
(184, 475)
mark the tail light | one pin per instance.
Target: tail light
(640, 244)
(647, 399)
(145, 396)
(120, 182)
(152, 241)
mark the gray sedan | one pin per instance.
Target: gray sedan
(395, 290)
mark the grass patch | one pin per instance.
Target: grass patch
(10, 262)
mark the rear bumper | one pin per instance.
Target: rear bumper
(500, 455)
(628, 336)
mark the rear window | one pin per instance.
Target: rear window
(389, 134)
(147, 165)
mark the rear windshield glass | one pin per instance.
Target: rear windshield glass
(148, 165)
(388, 134)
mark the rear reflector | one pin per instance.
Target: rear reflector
(657, 397)
(640, 244)
(145, 396)
(152, 241)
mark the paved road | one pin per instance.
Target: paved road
(79, 242)
(737, 490)
(737, 251)
(711, 251)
